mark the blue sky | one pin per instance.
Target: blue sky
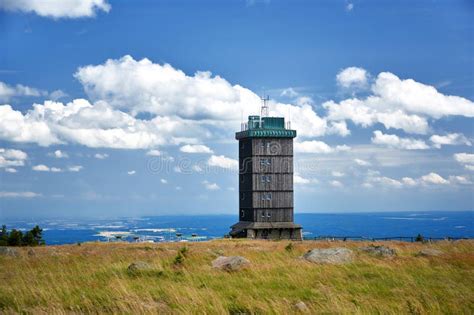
(137, 103)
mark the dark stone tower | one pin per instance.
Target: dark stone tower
(266, 180)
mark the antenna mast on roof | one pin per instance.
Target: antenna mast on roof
(264, 109)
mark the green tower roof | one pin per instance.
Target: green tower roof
(268, 127)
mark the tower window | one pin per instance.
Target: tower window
(266, 178)
(267, 196)
(265, 162)
(269, 214)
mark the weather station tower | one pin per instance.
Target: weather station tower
(266, 179)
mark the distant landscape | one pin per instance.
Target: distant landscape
(437, 224)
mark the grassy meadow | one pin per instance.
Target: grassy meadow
(93, 278)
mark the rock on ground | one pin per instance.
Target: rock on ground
(138, 266)
(8, 251)
(379, 250)
(232, 263)
(428, 252)
(301, 306)
(339, 255)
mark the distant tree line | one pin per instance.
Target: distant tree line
(33, 237)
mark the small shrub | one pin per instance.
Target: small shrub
(289, 247)
(183, 251)
(179, 259)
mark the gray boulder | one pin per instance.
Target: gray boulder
(339, 255)
(301, 306)
(9, 251)
(429, 252)
(138, 266)
(379, 250)
(232, 263)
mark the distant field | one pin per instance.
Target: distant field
(93, 278)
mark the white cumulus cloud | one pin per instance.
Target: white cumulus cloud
(400, 104)
(352, 77)
(59, 154)
(397, 142)
(223, 162)
(195, 148)
(93, 125)
(336, 183)
(210, 186)
(361, 162)
(101, 156)
(300, 180)
(458, 179)
(8, 92)
(75, 168)
(434, 178)
(12, 157)
(154, 152)
(466, 159)
(449, 139)
(315, 146)
(57, 8)
(41, 168)
(141, 86)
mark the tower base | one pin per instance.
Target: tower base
(267, 230)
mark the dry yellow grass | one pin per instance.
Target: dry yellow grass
(93, 278)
